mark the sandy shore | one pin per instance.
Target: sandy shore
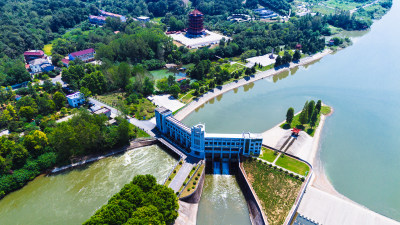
(258, 76)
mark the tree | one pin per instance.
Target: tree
(278, 61)
(27, 112)
(162, 85)
(289, 115)
(124, 72)
(59, 100)
(171, 80)
(56, 59)
(318, 105)
(35, 142)
(174, 90)
(95, 82)
(19, 155)
(148, 87)
(310, 109)
(303, 117)
(296, 55)
(314, 118)
(86, 93)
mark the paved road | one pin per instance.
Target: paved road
(180, 177)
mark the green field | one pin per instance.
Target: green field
(325, 110)
(276, 190)
(161, 73)
(47, 49)
(268, 154)
(293, 165)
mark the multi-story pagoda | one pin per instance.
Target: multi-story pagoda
(195, 28)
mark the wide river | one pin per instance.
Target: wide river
(360, 144)
(72, 197)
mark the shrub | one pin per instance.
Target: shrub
(302, 179)
(196, 178)
(188, 176)
(193, 187)
(180, 162)
(169, 179)
(291, 174)
(280, 169)
(193, 168)
(286, 172)
(174, 171)
(198, 174)
(184, 183)
(194, 182)
(275, 167)
(177, 193)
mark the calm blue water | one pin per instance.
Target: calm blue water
(360, 143)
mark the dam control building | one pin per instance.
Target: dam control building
(196, 142)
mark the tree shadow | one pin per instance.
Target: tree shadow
(310, 130)
(286, 126)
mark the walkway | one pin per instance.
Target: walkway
(172, 147)
(180, 177)
(328, 209)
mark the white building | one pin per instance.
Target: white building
(143, 19)
(40, 65)
(76, 99)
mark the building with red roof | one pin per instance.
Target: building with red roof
(86, 55)
(33, 54)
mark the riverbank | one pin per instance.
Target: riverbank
(258, 76)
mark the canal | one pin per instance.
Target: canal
(360, 143)
(72, 197)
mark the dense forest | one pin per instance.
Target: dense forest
(141, 201)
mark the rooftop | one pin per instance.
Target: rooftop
(102, 110)
(39, 62)
(110, 14)
(75, 95)
(243, 135)
(179, 123)
(83, 52)
(162, 110)
(196, 13)
(143, 18)
(34, 52)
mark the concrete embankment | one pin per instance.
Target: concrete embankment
(134, 144)
(230, 86)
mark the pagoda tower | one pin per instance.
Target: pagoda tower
(195, 24)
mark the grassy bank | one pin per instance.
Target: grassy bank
(276, 190)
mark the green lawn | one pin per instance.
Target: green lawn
(325, 110)
(292, 164)
(47, 49)
(268, 154)
(276, 190)
(161, 73)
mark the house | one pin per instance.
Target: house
(40, 65)
(86, 55)
(76, 99)
(65, 62)
(103, 110)
(143, 19)
(33, 54)
(113, 15)
(99, 20)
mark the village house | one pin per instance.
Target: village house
(40, 65)
(86, 55)
(33, 54)
(76, 99)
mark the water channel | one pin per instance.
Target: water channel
(360, 142)
(73, 196)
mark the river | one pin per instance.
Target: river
(222, 202)
(360, 146)
(72, 197)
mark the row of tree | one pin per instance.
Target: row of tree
(309, 114)
(142, 201)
